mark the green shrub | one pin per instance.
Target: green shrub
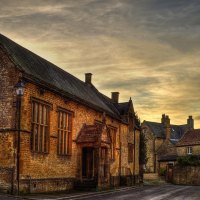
(190, 160)
(162, 171)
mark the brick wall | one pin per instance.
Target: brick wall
(9, 77)
(51, 165)
(7, 179)
(43, 172)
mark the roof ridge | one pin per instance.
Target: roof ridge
(41, 69)
(53, 65)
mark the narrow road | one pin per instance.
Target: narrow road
(163, 192)
(171, 192)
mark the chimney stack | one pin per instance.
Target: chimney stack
(88, 78)
(167, 120)
(115, 97)
(190, 122)
(167, 127)
(163, 119)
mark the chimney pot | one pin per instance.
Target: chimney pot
(115, 97)
(88, 78)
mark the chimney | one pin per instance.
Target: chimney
(190, 122)
(115, 97)
(167, 127)
(163, 119)
(88, 78)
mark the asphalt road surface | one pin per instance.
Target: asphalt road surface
(163, 192)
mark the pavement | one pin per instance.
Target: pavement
(148, 192)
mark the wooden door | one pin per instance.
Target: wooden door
(169, 176)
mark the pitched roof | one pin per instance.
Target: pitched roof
(38, 69)
(158, 130)
(167, 158)
(123, 107)
(167, 151)
(88, 134)
(93, 134)
(191, 137)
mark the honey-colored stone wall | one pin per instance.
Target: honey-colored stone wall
(137, 147)
(152, 144)
(182, 151)
(186, 175)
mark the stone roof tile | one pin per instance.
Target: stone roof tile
(40, 69)
(191, 137)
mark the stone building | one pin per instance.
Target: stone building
(161, 142)
(62, 133)
(189, 143)
(189, 146)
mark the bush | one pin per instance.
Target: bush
(188, 161)
(162, 171)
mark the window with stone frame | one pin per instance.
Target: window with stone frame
(40, 127)
(112, 132)
(64, 132)
(130, 152)
(189, 150)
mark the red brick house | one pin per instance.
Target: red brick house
(62, 133)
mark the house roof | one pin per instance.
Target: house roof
(167, 151)
(158, 130)
(93, 134)
(167, 158)
(123, 108)
(89, 134)
(42, 71)
(191, 137)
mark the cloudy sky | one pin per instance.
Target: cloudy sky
(146, 49)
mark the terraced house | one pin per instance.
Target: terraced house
(58, 132)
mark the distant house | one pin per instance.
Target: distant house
(189, 143)
(161, 142)
(62, 133)
(187, 171)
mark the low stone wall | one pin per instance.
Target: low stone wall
(6, 179)
(46, 185)
(186, 175)
(150, 176)
(129, 180)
